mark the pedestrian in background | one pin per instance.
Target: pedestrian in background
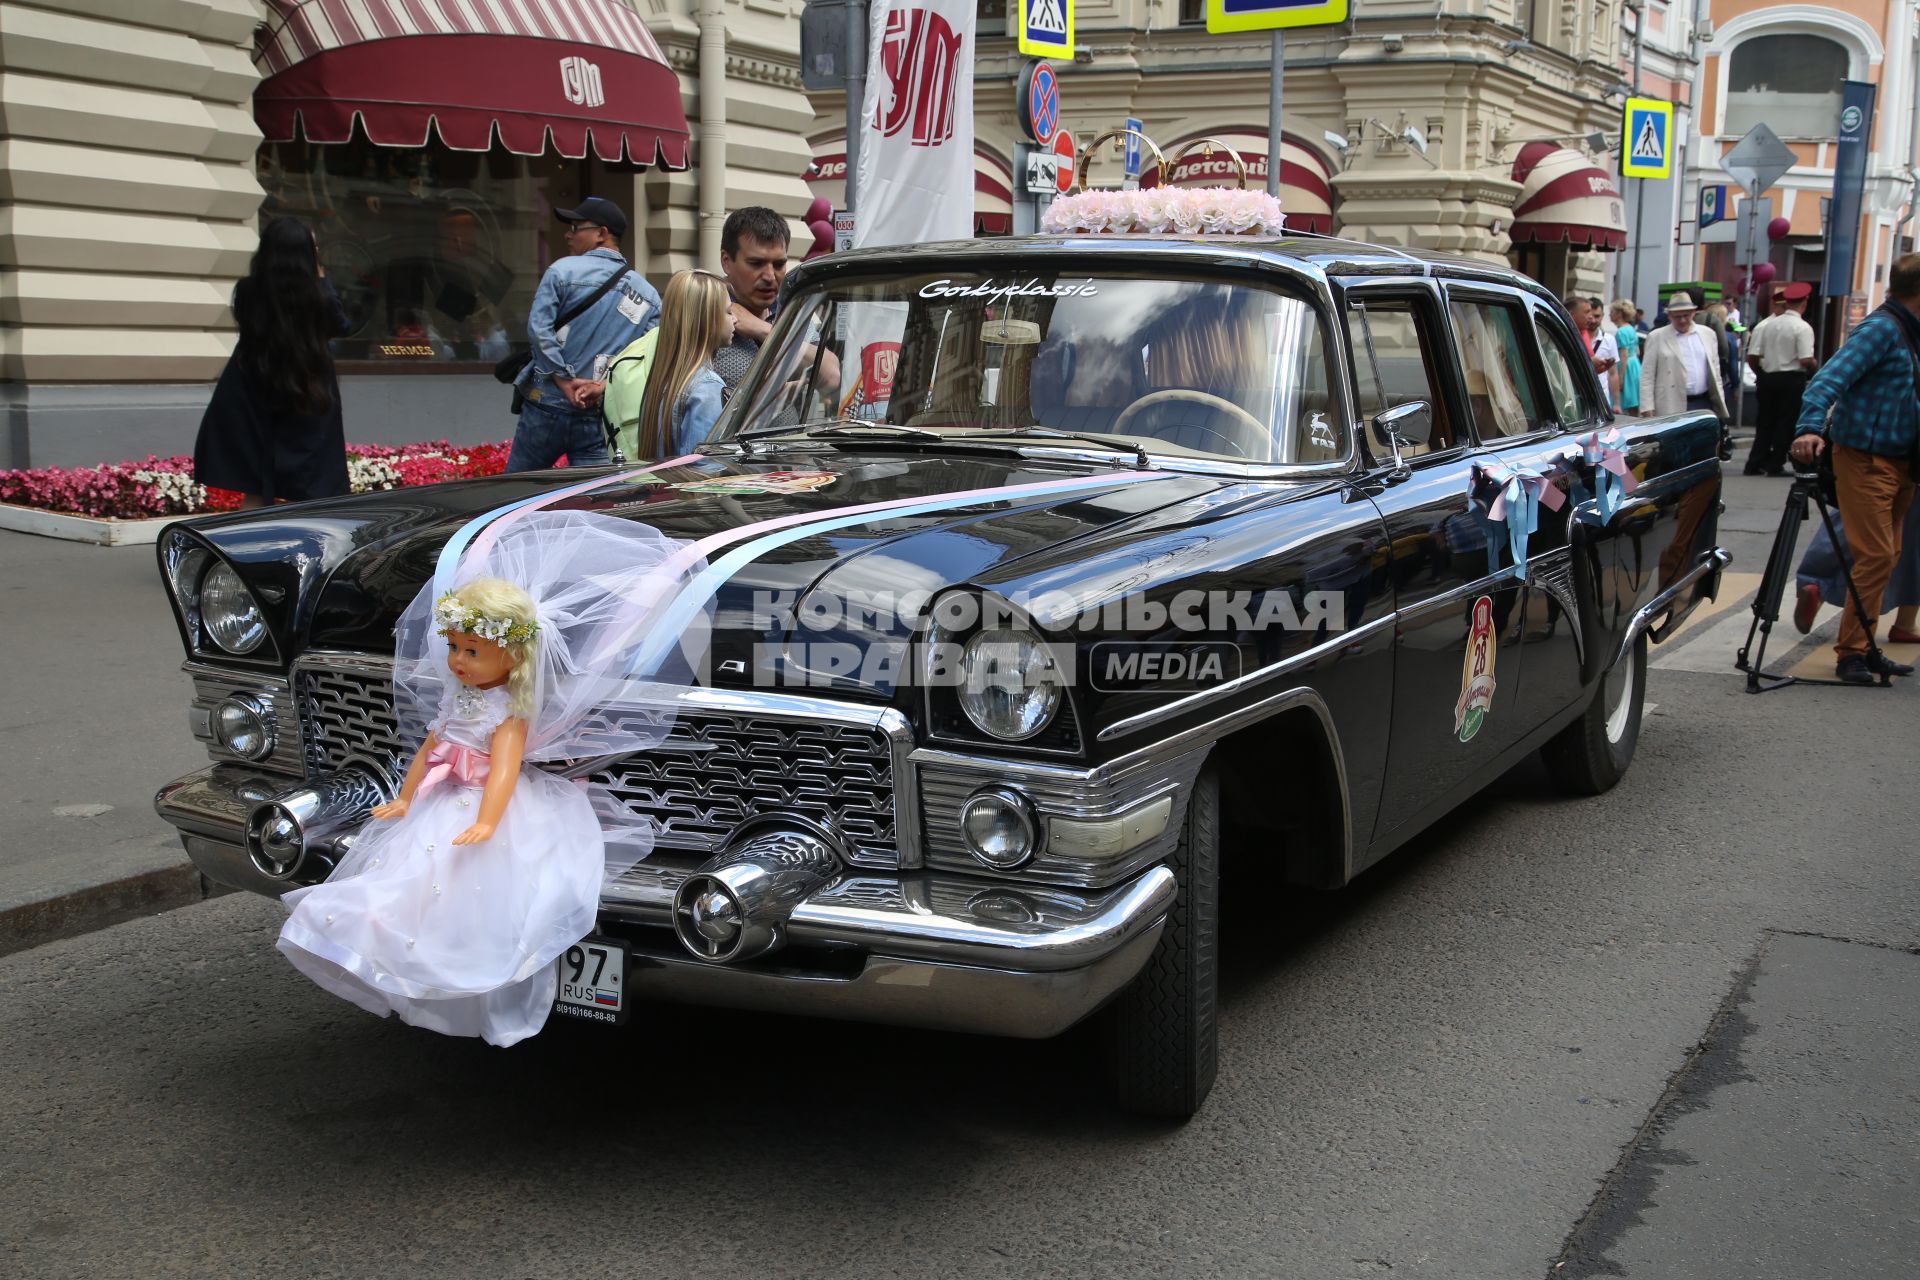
(684, 392)
(589, 306)
(273, 431)
(1681, 367)
(1870, 386)
(1780, 352)
(1715, 319)
(1626, 373)
(753, 260)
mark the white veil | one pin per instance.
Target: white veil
(599, 585)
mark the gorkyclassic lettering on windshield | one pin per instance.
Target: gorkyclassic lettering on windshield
(992, 289)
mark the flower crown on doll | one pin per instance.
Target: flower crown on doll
(450, 613)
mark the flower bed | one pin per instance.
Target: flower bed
(163, 487)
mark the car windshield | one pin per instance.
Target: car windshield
(1197, 367)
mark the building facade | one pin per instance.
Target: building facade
(427, 144)
(1404, 126)
(1782, 65)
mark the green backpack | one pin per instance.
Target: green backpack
(626, 387)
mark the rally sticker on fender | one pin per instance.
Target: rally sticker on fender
(1476, 673)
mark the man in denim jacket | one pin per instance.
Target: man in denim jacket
(1871, 385)
(566, 376)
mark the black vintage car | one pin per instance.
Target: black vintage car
(1087, 553)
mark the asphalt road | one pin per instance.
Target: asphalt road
(1663, 1033)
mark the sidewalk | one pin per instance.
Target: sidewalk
(94, 721)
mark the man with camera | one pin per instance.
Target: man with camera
(1870, 386)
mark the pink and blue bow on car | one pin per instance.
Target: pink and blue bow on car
(1521, 492)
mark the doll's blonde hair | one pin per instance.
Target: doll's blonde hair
(497, 600)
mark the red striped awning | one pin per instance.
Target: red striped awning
(1566, 196)
(540, 74)
(1306, 186)
(992, 182)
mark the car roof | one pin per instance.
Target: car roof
(1313, 257)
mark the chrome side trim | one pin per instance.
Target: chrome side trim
(1710, 562)
(1479, 586)
(1260, 675)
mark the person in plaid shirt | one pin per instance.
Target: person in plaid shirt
(1872, 385)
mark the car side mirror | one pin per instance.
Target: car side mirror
(1404, 426)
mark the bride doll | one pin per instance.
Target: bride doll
(458, 895)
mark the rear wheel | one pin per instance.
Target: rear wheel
(1162, 1033)
(1591, 754)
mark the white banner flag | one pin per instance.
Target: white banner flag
(915, 182)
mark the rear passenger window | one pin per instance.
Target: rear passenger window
(1396, 359)
(1500, 395)
(1570, 403)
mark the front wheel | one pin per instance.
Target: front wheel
(1162, 1033)
(1591, 754)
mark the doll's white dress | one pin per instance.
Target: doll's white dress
(459, 939)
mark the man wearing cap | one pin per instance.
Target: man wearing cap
(1681, 367)
(1780, 352)
(565, 376)
(1870, 388)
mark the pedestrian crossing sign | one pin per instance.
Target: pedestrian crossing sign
(1046, 28)
(1646, 147)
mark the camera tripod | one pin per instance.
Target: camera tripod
(1815, 487)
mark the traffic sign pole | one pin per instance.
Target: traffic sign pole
(1273, 111)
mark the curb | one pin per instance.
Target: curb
(69, 915)
(72, 528)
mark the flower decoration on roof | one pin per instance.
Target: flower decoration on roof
(1184, 211)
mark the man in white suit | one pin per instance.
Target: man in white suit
(1681, 367)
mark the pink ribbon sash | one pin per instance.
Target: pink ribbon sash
(464, 765)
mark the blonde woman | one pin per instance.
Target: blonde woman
(1626, 374)
(683, 395)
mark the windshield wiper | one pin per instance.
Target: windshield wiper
(876, 430)
(1048, 433)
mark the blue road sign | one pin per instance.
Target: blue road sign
(1268, 15)
(1713, 205)
(1135, 128)
(1040, 103)
(1648, 149)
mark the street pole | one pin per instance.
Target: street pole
(856, 83)
(1273, 111)
(1639, 184)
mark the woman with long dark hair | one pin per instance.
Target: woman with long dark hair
(273, 430)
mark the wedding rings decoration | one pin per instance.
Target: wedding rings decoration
(1207, 147)
(1113, 135)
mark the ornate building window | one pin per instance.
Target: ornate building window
(1791, 83)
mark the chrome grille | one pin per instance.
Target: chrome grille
(346, 711)
(717, 769)
(211, 687)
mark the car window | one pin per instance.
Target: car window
(1396, 360)
(1207, 367)
(1500, 395)
(1571, 404)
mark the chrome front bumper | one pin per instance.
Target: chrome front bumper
(924, 949)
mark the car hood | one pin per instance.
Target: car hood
(336, 573)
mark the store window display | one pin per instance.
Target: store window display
(435, 252)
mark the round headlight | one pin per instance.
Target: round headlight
(228, 611)
(999, 828)
(1010, 684)
(244, 726)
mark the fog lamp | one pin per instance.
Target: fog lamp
(243, 725)
(999, 828)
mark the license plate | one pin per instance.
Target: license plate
(593, 982)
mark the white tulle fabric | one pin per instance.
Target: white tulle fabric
(462, 939)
